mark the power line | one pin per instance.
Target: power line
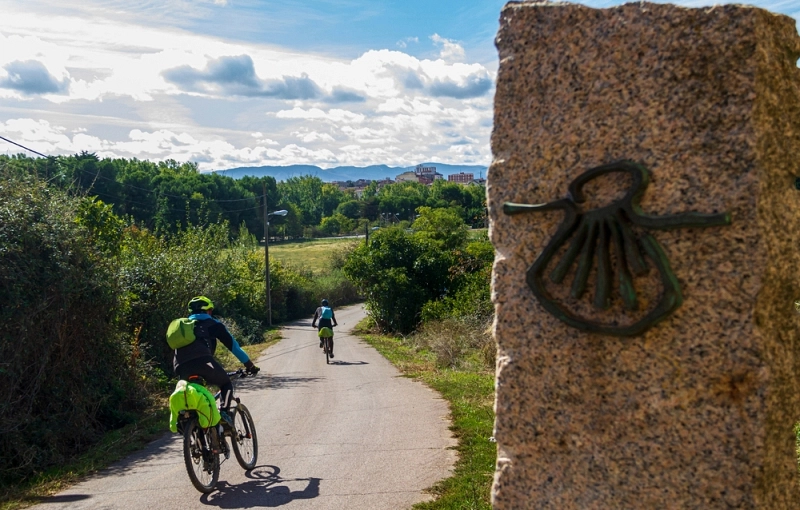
(26, 148)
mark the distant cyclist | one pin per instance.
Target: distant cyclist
(326, 318)
(197, 358)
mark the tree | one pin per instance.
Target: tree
(370, 208)
(398, 275)
(449, 194)
(138, 197)
(293, 221)
(336, 224)
(402, 198)
(444, 228)
(331, 198)
(104, 227)
(306, 193)
(351, 209)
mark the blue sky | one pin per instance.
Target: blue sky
(229, 83)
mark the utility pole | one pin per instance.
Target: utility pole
(266, 257)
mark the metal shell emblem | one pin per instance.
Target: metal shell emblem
(595, 234)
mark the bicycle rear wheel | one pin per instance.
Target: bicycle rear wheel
(244, 438)
(201, 463)
(327, 350)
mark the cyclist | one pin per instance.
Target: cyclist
(197, 358)
(327, 319)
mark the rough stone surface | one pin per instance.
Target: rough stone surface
(698, 412)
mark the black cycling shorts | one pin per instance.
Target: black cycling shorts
(209, 369)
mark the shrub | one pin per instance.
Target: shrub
(464, 343)
(160, 275)
(67, 373)
(443, 227)
(397, 274)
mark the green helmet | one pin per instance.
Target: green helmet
(200, 304)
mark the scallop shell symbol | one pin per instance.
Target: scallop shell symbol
(593, 234)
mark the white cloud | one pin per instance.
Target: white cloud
(32, 130)
(367, 135)
(145, 92)
(262, 140)
(100, 59)
(403, 43)
(450, 50)
(313, 136)
(334, 115)
(131, 85)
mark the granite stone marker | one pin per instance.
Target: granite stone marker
(697, 410)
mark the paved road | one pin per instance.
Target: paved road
(351, 435)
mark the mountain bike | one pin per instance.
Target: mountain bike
(326, 335)
(202, 448)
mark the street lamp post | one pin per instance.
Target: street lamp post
(267, 216)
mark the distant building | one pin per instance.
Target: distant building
(407, 177)
(461, 178)
(358, 187)
(425, 170)
(427, 174)
(478, 182)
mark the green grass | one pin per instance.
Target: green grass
(314, 255)
(471, 396)
(115, 445)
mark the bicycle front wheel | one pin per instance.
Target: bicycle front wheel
(201, 463)
(244, 438)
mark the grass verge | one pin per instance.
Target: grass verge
(115, 445)
(470, 393)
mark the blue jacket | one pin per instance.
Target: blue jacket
(207, 330)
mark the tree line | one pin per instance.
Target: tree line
(167, 196)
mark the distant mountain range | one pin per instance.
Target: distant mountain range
(345, 173)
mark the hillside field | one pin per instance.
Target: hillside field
(314, 255)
